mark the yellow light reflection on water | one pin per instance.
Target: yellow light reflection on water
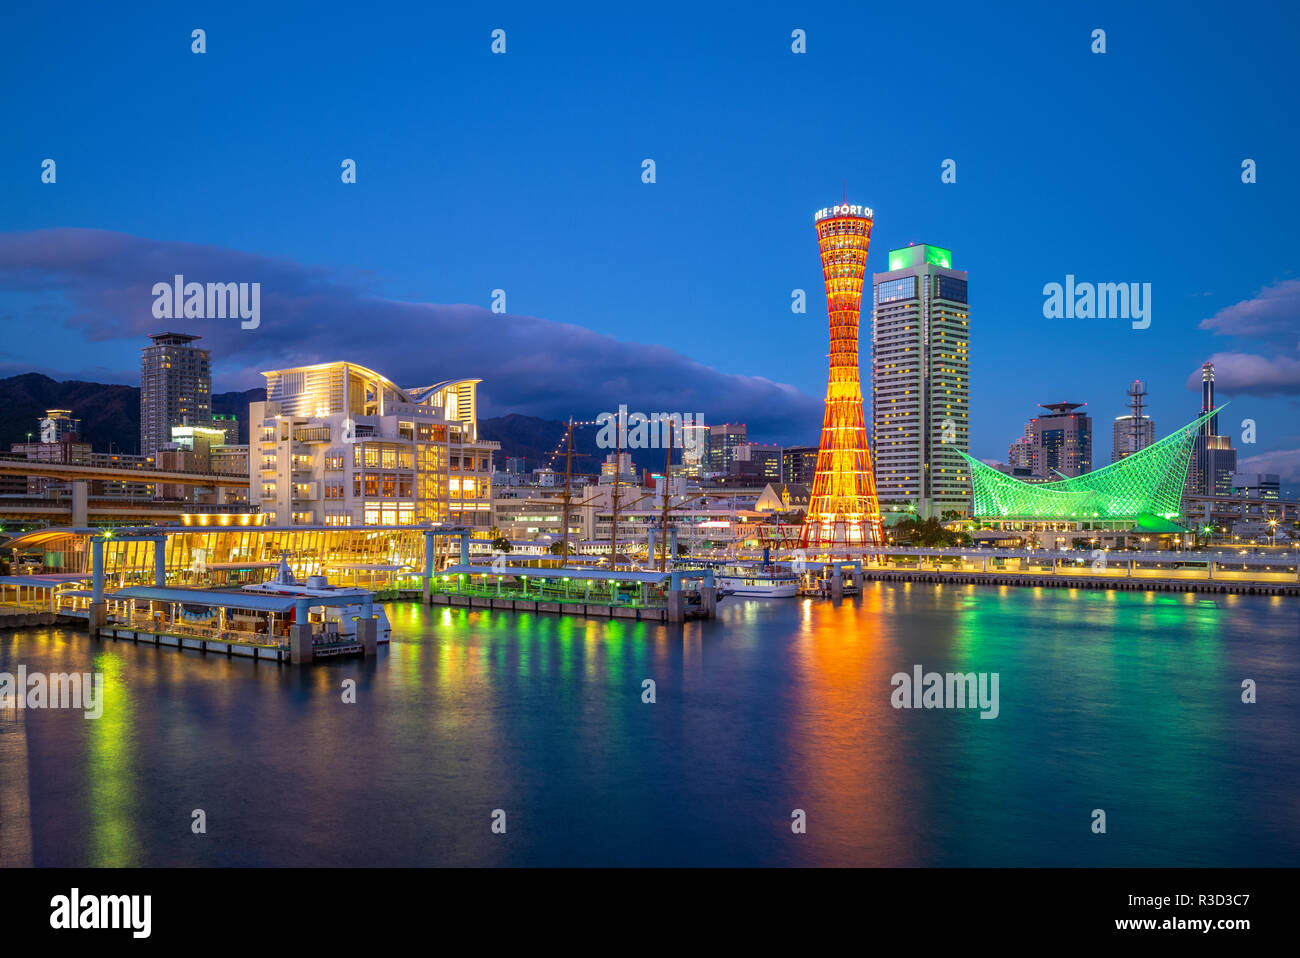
(110, 779)
(844, 740)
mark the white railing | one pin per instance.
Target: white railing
(146, 623)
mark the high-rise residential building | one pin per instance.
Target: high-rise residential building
(723, 440)
(920, 381)
(175, 388)
(799, 464)
(1137, 430)
(339, 444)
(1058, 443)
(1020, 454)
(57, 425)
(1214, 461)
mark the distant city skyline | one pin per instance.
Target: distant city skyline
(620, 291)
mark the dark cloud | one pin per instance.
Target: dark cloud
(1273, 315)
(1251, 375)
(1273, 318)
(1284, 462)
(314, 314)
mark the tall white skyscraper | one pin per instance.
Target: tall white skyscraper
(920, 381)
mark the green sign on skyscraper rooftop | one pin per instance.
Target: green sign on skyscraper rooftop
(919, 254)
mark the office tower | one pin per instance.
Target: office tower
(624, 469)
(58, 425)
(1060, 442)
(723, 440)
(695, 449)
(843, 510)
(754, 461)
(799, 464)
(920, 381)
(1257, 485)
(1214, 460)
(228, 423)
(1211, 426)
(175, 388)
(1136, 431)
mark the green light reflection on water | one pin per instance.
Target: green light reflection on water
(1089, 651)
(110, 782)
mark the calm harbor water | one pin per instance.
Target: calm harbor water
(1127, 702)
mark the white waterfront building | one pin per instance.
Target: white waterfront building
(339, 444)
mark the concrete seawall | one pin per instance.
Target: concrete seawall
(594, 609)
(12, 619)
(1086, 582)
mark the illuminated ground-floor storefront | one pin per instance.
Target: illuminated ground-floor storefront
(377, 558)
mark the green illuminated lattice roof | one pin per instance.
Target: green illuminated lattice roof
(1146, 486)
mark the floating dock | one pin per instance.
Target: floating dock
(260, 626)
(604, 593)
(250, 650)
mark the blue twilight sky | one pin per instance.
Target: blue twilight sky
(522, 172)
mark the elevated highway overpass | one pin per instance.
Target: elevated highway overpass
(72, 472)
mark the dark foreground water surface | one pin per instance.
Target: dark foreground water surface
(1125, 702)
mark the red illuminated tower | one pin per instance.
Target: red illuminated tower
(843, 511)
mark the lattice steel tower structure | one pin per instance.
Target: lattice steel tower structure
(843, 510)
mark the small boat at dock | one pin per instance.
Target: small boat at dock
(757, 581)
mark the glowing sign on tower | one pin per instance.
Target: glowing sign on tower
(843, 511)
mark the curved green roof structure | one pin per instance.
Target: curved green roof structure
(1145, 488)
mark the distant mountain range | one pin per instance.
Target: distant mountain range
(110, 419)
(109, 413)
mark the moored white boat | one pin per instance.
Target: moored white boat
(757, 581)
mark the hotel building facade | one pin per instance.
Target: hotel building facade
(337, 444)
(1056, 443)
(920, 381)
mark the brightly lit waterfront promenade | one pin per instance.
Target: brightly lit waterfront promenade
(1198, 571)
